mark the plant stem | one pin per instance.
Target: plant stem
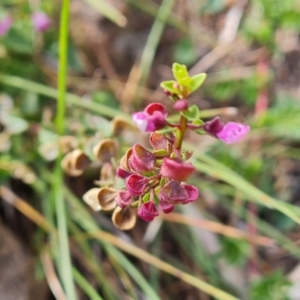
(65, 265)
(180, 133)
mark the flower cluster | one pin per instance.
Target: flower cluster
(40, 21)
(152, 180)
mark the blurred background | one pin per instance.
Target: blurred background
(241, 236)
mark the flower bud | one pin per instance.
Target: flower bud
(148, 211)
(181, 105)
(41, 21)
(136, 184)
(141, 160)
(124, 218)
(176, 169)
(123, 198)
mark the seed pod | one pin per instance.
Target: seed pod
(106, 198)
(124, 162)
(105, 150)
(120, 125)
(124, 218)
(91, 198)
(75, 162)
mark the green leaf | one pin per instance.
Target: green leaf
(192, 113)
(165, 130)
(198, 122)
(197, 81)
(169, 86)
(181, 74)
(146, 197)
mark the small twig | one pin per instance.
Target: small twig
(218, 228)
(52, 278)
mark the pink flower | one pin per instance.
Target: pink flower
(41, 21)
(152, 118)
(136, 184)
(176, 169)
(173, 192)
(233, 132)
(141, 160)
(228, 133)
(5, 25)
(148, 211)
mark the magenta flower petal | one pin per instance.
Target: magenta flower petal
(193, 193)
(41, 21)
(141, 120)
(214, 126)
(173, 193)
(148, 211)
(176, 169)
(166, 207)
(158, 141)
(141, 160)
(233, 132)
(123, 198)
(136, 184)
(152, 118)
(156, 107)
(122, 173)
(5, 25)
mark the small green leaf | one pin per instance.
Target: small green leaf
(197, 81)
(192, 113)
(165, 130)
(160, 152)
(181, 74)
(198, 122)
(146, 197)
(169, 86)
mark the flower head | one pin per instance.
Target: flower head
(228, 133)
(136, 184)
(5, 25)
(152, 118)
(41, 21)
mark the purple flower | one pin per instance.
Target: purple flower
(5, 25)
(165, 207)
(148, 211)
(41, 21)
(181, 105)
(228, 133)
(152, 118)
